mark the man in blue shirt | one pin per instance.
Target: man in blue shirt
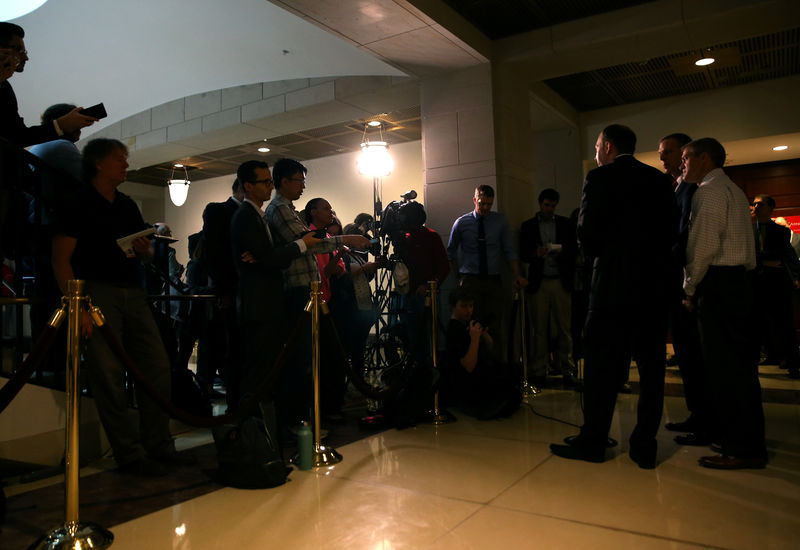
(479, 240)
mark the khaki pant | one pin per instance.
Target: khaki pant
(550, 307)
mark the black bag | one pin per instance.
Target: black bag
(248, 457)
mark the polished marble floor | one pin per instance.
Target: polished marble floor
(494, 485)
(468, 484)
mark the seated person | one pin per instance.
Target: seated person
(473, 380)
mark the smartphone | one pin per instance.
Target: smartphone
(96, 111)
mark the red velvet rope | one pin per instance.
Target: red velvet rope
(23, 374)
(204, 422)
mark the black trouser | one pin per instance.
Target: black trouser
(686, 341)
(728, 334)
(774, 288)
(613, 335)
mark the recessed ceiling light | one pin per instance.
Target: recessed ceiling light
(703, 61)
(178, 165)
(780, 147)
(374, 123)
(263, 149)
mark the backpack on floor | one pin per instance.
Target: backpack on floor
(248, 457)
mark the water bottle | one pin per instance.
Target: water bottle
(304, 444)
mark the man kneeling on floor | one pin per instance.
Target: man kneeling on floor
(481, 386)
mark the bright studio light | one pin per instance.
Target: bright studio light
(780, 147)
(703, 61)
(375, 160)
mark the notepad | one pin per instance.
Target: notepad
(126, 243)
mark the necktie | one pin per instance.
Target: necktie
(483, 262)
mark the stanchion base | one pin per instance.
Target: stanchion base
(76, 536)
(529, 390)
(439, 417)
(325, 456)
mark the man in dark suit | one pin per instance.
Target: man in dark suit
(224, 334)
(259, 264)
(627, 224)
(682, 322)
(548, 244)
(12, 126)
(774, 279)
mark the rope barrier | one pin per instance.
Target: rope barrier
(34, 359)
(43, 344)
(202, 422)
(358, 379)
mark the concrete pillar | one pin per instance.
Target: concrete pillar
(458, 142)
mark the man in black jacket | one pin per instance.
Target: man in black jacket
(774, 279)
(224, 334)
(627, 224)
(683, 327)
(12, 127)
(259, 262)
(548, 244)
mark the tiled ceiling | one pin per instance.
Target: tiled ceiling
(744, 61)
(397, 127)
(504, 18)
(741, 62)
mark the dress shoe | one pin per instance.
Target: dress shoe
(725, 462)
(539, 381)
(573, 440)
(688, 425)
(644, 459)
(577, 452)
(175, 460)
(693, 439)
(143, 467)
(571, 381)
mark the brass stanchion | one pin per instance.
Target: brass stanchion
(437, 417)
(73, 534)
(321, 455)
(528, 389)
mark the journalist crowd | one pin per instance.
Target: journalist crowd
(651, 257)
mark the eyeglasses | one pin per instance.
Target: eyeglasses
(303, 180)
(268, 180)
(757, 204)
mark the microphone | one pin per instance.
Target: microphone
(409, 195)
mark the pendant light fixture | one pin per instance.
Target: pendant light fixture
(178, 188)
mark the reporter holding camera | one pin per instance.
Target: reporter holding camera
(426, 259)
(472, 379)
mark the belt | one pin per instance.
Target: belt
(726, 268)
(481, 277)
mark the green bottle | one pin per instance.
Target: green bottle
(304, 445)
